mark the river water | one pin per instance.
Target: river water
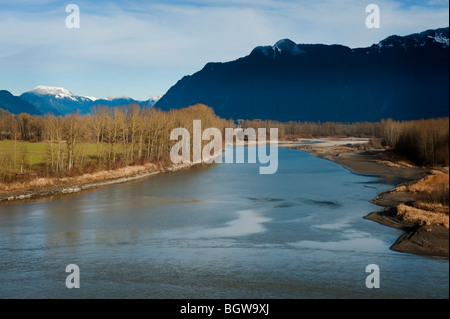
(218, 232)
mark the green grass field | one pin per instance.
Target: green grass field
(34, 157)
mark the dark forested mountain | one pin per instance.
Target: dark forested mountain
(15, 104)
(401, 77)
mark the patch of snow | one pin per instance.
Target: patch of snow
(439, 38)
(382, 45)
(66, 96)
(59, 92)
(276, 49)
(155, 98)
(123, 97)
(91, 98)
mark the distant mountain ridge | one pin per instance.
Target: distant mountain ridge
(56, 100)
(60, 101)
(401, 77)
(15, 104)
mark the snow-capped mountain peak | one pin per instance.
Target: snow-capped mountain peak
(59, 93)
(52, 90)
(60, 101)
(155, 98)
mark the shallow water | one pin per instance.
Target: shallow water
(220, 232)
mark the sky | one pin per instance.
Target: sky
(141, 48)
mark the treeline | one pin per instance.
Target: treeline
(127, 135)
(317, 129)
(122, 136)
(424, 142)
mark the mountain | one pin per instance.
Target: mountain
(125, 100)
(57, 100)
(15, 104)
(153, 100)
(60, 101)
(403, 78)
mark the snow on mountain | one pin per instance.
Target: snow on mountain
(60, 101)
(51, 90)
(59, 93)
(440, 38)
(403, 77)
(123, 97)
(155, 98)
(92, 98)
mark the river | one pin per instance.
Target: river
(224, 231)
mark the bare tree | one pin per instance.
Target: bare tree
(74, 129)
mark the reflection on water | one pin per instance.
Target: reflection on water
(265, 199)
(248, 222)
(220, 232)
(352, 244)
(285, 205)
(329, 203)
(343, 223)
(64, 238)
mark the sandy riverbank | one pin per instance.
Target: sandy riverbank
(420, 237)
(356, 155)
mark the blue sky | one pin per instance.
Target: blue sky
(141, 48)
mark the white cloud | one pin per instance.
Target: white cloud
(137, 36)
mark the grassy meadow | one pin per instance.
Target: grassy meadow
(30, 157)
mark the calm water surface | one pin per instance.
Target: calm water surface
(220, 232)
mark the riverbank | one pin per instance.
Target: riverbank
(40, 188)
(402, 208)
(425, 229)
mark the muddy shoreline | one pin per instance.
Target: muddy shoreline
(70, 188)
(423, 240)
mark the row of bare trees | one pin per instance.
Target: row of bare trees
(122, 135)
(130, 134)
(424, 142)
(318, 129)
